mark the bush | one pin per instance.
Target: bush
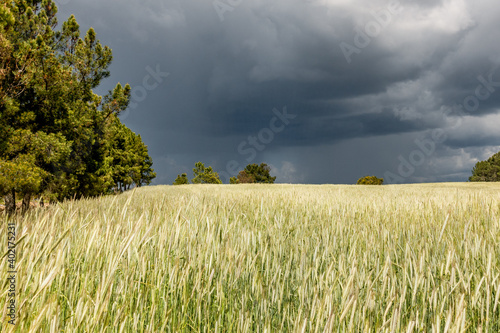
(370, 180)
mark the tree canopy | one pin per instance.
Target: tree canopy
(205, 175)
(254, 173)
(487, 171)
(181, 180)
(55, 133)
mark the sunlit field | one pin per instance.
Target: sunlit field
(262, 258)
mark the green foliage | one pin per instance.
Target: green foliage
(128, 158)
(20, 175)
(6, 24)
(370, 180)
(487, 171)
(234, 180)
(181, 180)
(245, 178)
(255, 173)
(205, 175)
(51, 121)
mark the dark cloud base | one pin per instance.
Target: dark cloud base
(226, 77)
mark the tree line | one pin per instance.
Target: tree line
(483, 171)
(253, 173)
(57, 136)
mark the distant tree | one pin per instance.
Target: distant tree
(487, 171)
(255, 173)
(181, 180)
(234, 180)
(245, 178)
(205, 175)
(370, 180)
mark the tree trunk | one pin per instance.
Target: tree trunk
(10, 203)
(26, 202)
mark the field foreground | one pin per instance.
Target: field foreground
(292, 258)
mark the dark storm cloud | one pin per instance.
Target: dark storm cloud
(226, 77)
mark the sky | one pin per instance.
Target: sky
(323, 91)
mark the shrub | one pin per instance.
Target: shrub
(370, 180)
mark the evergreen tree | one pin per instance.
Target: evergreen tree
(203, 175)
(487, 171)
(181, 180)
(128, 158)
(53, 127)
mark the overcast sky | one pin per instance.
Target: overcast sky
(325, 91)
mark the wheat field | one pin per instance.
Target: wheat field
(261, 258)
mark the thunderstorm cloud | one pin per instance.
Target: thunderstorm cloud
(325, 91)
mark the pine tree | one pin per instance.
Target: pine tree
(53, 127)
(128, 158)
(487, 171)
(181, 180)
(205, 175)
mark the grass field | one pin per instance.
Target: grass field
(268, 258)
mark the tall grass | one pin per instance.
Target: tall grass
(409, 258)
